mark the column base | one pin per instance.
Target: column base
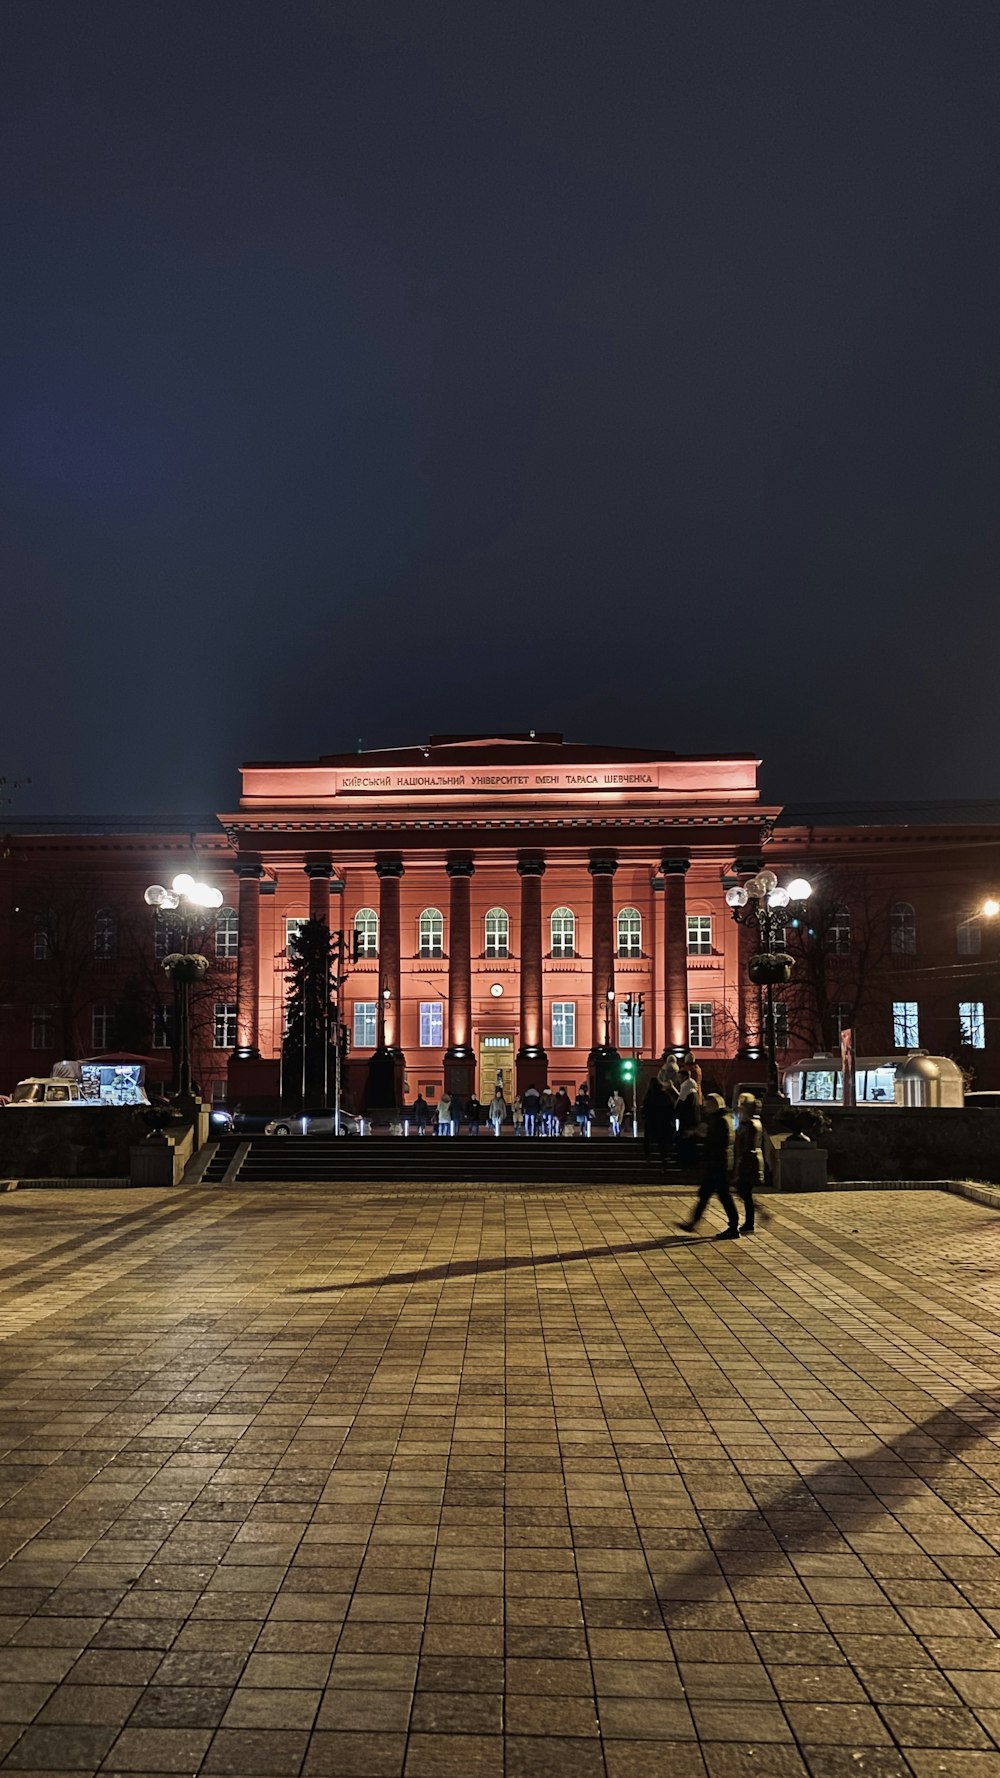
(531, 1067)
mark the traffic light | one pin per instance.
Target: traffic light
(345, 1041)
(627, 1072)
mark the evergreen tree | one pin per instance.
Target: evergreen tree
(307, 1051)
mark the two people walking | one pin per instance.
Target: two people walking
(733, 1155)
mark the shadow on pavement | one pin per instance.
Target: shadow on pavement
(469, 1268)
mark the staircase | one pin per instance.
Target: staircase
(440, 1161)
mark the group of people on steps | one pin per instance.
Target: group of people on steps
(533, 1113)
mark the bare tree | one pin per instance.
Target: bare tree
(841, 951)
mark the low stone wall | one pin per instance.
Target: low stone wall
(41, 1142)
(893, 1142)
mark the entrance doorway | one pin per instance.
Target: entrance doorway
(496, 1060)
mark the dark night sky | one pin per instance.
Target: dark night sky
(376, 367)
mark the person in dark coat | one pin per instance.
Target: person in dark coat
(561, 1109)
(653, 1120)
(717, 1165)
(532, 1105)
(583, 1111)
(421, 1113)
(748, 1156)
(688, 1114)
(473, 1115)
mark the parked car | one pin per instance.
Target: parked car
(314, 1123)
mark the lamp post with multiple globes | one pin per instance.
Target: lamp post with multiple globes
(769, 905)
(186, 902)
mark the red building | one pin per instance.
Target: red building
(504, 899)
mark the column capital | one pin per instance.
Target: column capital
(748, 866)
(531, 867)
(602, 867)
(389, 867)
(317, 868)
(337, 885)
(460, 867)
(248, 870)
(675, 867)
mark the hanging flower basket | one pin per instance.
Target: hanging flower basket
(183, 966)
(772, 967)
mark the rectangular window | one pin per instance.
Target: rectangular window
(102, 1026)
(563, 1024)
(43, 1028)
(225, 1025)
(905, 1025)
(780, 1025)
(699, 935)
(40, 941)
(970, 938)
(220, 1092)
(293, 926)
(365, 1034)
(431, 1025)
(629, 1028)
(700, 1024)
(972, 1021)
(163, 1028)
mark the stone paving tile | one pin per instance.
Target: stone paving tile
(292, 1483)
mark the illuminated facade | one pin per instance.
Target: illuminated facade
(503, 900)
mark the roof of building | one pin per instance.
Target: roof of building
(532, 747)
(950, 812)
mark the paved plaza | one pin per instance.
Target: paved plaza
(498, 1485)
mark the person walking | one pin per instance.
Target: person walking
(473, 1115)
(583, 1111)
(532, 1106)
(517, 1113)
(717, 1165)
(498, 1111)
(545, 1113)
(616, 1111)
(748, 1152)
(421, 1113)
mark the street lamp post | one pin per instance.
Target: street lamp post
(633, 1006)
(187, 902)
(769, 905)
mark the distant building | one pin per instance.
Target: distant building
(505, 902)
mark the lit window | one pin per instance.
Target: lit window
(365, 1035)
(629, 1027)
(629, 933)
(562, 928)
(163, 1028)
(969, 934)
(905, 1025)
(902, 929)
(102, 1024)
(43, 1028)
(699, 935)
(227, 933)
(564, 1023)
(106, 933)
(497, 933)
(225, 1025)
(220, 1092)
(40, 946)
(838, 933)
(365, 933)
(972, 1024)
(431, 933)
(431, 1024)
(293, 926)
(700, 1024)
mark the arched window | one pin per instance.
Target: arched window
(838, 933)
(41, 948)
(105, 933)
(629, 933)
(431, 933)
(227, 933)
(497, 933)
(902, 929)
(365, 933)
(563, 929)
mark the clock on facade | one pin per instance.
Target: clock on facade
(496, 990)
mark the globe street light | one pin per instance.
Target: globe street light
(187, 902)
(768, 904)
